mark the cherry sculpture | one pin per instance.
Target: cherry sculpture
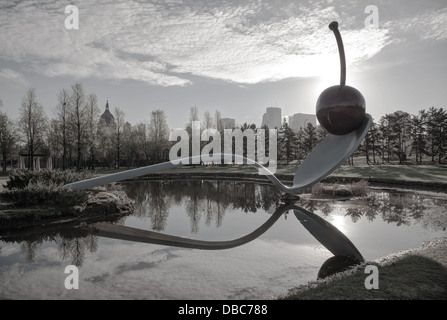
(341, 108)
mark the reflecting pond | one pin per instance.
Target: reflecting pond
(274, 249)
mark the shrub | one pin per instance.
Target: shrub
(44, 187)
(317, 189)
(356, 189)
(20, 179)
(44, 194)
(359, 188)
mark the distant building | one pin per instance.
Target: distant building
(106, 132)
(228, 123)
(272, 118)
(300, 120)
(107, 117)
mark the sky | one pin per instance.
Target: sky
(237, 57)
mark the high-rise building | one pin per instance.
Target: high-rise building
(228, 123)
(272, 118)
(300, 120)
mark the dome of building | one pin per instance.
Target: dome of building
(107, 115)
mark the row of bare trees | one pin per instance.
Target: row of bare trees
(77, 137)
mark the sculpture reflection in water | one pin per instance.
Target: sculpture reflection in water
(344, 251)
(74, 242)
(208, 202)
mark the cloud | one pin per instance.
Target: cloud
(164, 43)
(11, 75)
(427, 25)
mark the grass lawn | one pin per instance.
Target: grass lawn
(427, 174)
(424, 175)
(413, 277)
(417, 274)
(411, 173)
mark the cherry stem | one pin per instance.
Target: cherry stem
(334, 27)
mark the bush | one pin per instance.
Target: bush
(318, 190)
(356, 189)
(27, 188)
(360, 188)
(20, 179)
(44, 194)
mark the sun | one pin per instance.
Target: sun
(328, 75)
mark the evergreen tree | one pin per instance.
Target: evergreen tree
(287, 142)
(418, 135)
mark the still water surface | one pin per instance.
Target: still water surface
(284, 256)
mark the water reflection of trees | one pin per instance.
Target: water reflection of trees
(202, 199)
(76, 248)
(397, 208)
(73, 240)
(208, 201)
(72, 244)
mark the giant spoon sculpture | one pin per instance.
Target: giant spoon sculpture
(340, 110)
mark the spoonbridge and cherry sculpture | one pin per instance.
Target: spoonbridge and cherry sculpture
(340, 110)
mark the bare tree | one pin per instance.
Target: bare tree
(193, 115)
(32, 124)
(218, 120)
(54, 140)
(7, 137)
(62, 108)
(141, 142)
(158, 134)
(92, 127)
(208, 121)
(78, 117)
(120, 118)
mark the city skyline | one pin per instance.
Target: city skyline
(236, 58)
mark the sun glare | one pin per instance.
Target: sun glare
(338, 221)
(328, 73)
